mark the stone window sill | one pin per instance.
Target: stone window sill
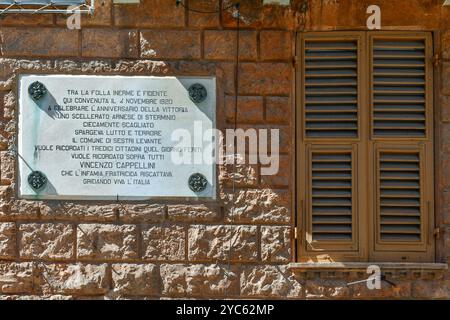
(358, 269)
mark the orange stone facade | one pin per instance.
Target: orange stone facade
(163, 249)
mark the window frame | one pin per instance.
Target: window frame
(366, 144)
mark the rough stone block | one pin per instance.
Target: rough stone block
(212, 243)
(7, 240)
(135, 279)
(26, 20)
(7, 167)
(258, 206)
(276, 244)
(275, 45)
(164, 242)
(170, 44)
(150, 14)
(46, 241)
(106, 241)
(265, 78)
(278, 110)
(42, 42)
(249, 109)
(86, 279)
(108, 43)
(142, 213)
(206, 20)
(193, 213)
(62, 210)
(325, 288)
(241, 175)
(9, 105)
(277, 138)
(269, 282)
(16, 278)
(201, 281)
(280, 179)
(253, 15)
(221, 45)
(101, 17)
(19, 209)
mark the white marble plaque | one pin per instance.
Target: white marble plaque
(109, 137)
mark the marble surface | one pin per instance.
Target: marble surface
(109, 137)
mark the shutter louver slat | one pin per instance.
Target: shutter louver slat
(399, 88)
(331, 87)
(331, 193)
(399, 196)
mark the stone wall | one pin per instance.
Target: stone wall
(238, 246)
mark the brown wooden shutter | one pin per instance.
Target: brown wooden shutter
(331, 194)
(332, 223)
(402, 146)
(400, 204)
(331, 97)
(399, 85)
(365, 147)
(403, 202)
(330, 75)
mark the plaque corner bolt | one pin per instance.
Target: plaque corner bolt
(197, 93)
(37, 180)
(37, 90)
(197, 182)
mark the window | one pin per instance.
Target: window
(365, 147)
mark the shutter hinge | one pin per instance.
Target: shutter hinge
(296, 233)
(436, 60)
(438, 231)
(295, 61)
